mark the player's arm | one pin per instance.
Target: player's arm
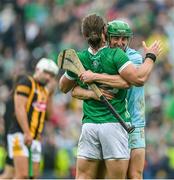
(22, 91)
(129, 75)
(138, 76)
(49, 110)
(115, 81)
(128, 71)
(20, 103)
(51, 87)
(83, 94)
(66, 83)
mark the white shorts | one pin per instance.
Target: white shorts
(16, 147)
(103, 141)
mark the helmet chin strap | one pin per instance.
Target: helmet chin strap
(126, 46)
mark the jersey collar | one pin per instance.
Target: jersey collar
(90, 50)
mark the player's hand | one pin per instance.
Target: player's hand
(154, 48)
(94, 96)
(28, 139)
(107, 94)
(87, 76)
(52, 84)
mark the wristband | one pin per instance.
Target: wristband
(151, 56)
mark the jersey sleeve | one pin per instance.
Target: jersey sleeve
(121, 60)
(23, 86)
(135, 57)
(70, 75)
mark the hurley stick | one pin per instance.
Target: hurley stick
(30, 164)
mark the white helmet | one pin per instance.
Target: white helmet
(49, 65)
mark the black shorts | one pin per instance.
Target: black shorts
(9, 161)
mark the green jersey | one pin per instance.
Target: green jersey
(108, 61)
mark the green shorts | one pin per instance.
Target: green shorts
(137, 139)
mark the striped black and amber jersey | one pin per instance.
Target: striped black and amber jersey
(37, 96)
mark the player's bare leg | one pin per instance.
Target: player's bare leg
(21, 169)
(86, 169)
(136, 164)
(8, 172)
(116, 169)
(36, 168)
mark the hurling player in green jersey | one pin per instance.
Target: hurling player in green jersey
(102, 136)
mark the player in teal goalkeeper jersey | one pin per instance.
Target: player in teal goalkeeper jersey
(135, 97)
(102, 136)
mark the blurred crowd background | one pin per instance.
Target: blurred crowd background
(31, 29)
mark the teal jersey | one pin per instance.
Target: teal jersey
(108, 61)
(135, 95)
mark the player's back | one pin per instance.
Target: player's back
(108, 61)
